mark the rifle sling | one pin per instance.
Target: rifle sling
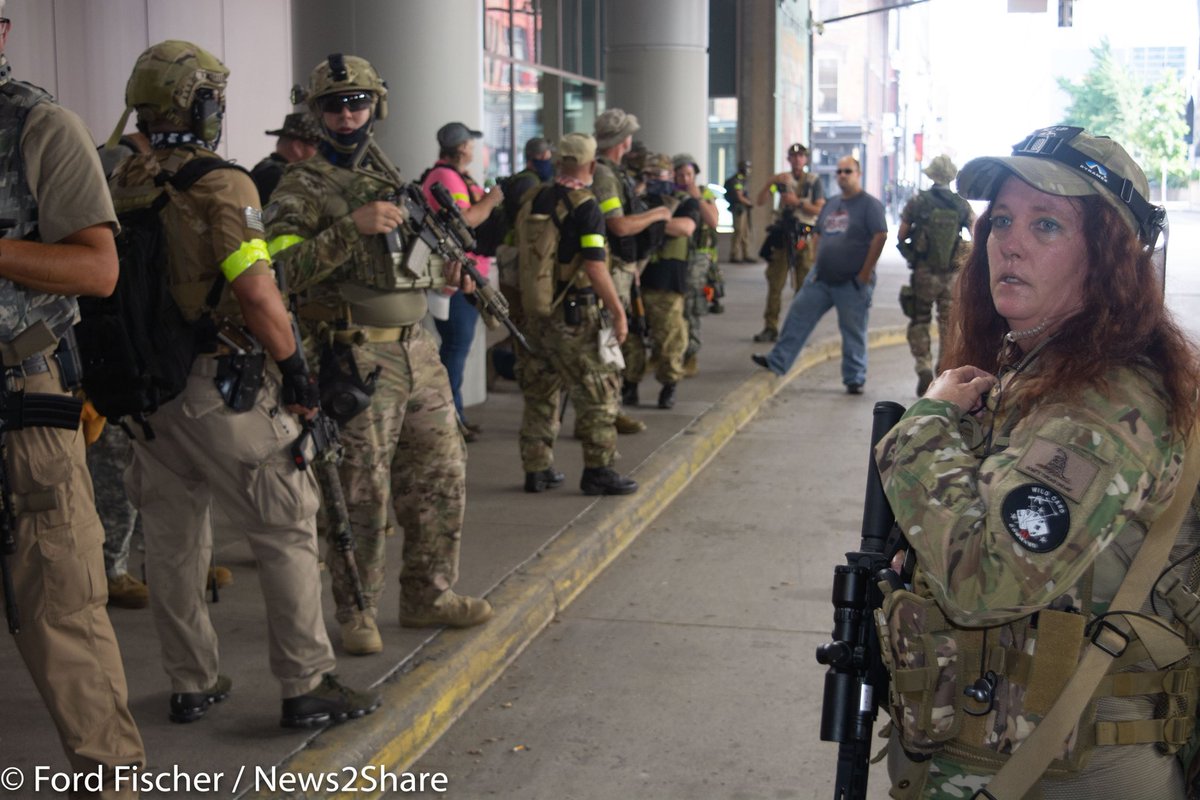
(1029, 761)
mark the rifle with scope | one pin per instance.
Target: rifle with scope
(856, 683)
(447, 233)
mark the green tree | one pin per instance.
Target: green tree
(1109, 101)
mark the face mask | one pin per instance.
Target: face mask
(659, 187)
(543, 168)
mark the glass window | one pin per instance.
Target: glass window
(527, 31)
(497, 118)
(528, 111)
(497, 21)
(570, 36)
(827, 87)
(581, 106)
(590, 50)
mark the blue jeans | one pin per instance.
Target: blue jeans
(853, 303)
(457, 333)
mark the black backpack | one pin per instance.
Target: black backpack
(135, 346)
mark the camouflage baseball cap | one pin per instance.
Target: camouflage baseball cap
(685, 158)
(941, 169)
(1068, 162)
(299, 125)
(578, 146)
(613, 126)
(658, 162)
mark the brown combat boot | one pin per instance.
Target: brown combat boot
(450, 609)
(360, 634)
(628, 425)
(690, 366)
(126, 591)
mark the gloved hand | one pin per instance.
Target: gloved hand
(299, 387)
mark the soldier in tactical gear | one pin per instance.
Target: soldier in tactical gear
(226, 443)
(702, 260)
(740, 206)
(564, 353)
(59, 245)
(297, 141)
(801, 198)
(625, 217)
(361, 303)
(665, 280)
(1047, 646)
(930, 240)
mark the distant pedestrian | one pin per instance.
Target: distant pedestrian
(849, 237)
(740, 205)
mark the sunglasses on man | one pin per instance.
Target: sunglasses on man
(356, 101)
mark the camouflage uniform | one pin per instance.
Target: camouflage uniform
(701, 267)
(108, 458)
(807, 187)
(405, 449)
(931, 285)
(614, 192)
(567, 356)
(1044, 522)
(739, 246)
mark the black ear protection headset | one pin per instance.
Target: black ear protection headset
(1054, 143)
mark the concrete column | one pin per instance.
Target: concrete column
(657, 68)
(757, 120)
(430, 56)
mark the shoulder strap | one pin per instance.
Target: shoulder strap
(183, 179)
(1029, 762)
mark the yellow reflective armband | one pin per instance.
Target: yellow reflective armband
(242, 259)
(610, 204)
(283, 243)
(591, 240)
(459, 197)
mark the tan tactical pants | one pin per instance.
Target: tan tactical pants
(66, 638)
(739, 248)
(777, 276)
(205, 456)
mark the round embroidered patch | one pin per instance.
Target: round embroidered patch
(1036, 516)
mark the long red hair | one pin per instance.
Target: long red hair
(1123, 321)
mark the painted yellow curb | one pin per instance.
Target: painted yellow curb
(456, 667)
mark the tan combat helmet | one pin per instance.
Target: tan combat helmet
(342, 74)
(179, 84)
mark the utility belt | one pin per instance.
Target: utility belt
(975, 694)
(360, 334)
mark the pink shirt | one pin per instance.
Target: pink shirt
(446, 175)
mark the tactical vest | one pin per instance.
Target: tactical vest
(675, 248)
(20, 308)
(1149, 695)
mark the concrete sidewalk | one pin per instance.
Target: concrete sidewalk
(530, 554)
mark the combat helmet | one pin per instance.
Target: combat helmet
(339, 74)
(179, 84)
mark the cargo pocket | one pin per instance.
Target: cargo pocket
(282, 494)
(72, 569)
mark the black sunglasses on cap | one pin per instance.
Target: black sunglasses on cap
(334, 103)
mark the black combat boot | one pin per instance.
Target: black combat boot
(540, 481)
(629, 394)
(330, 702)
(191, 706)
(605, 480)
(666, 398)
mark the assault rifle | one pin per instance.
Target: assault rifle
(322, 432)
(856, 684)
(448, 234)
(20, 410)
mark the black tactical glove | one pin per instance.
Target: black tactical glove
(299, 387)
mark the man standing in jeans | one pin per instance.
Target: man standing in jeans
(848, 239)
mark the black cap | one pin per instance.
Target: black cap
(452, 134)
(797, 149)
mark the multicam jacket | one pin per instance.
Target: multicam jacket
(1014, 518)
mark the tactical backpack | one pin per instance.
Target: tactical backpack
(135, 346)
(537, 238)
(937, 231)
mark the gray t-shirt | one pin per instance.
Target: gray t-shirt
(846, 228)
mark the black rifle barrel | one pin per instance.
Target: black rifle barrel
(856, 681)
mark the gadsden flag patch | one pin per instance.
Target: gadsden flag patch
(1036, 516)
(1059, 467)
